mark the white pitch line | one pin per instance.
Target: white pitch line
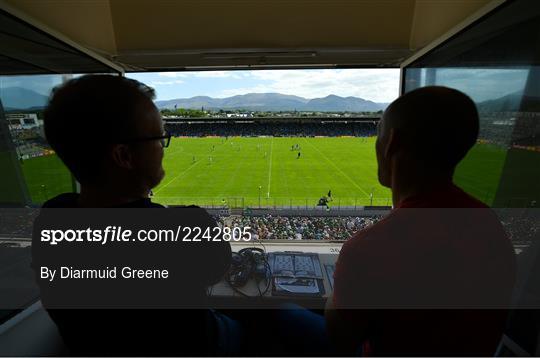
(178, 176)
(270, 167)
(337, 168)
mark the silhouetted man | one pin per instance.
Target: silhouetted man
(110, 135)
(435, 275)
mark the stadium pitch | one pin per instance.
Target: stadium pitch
(246, 171)
(280, 171)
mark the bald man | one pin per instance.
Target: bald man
(435, 276)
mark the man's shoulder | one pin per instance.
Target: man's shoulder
(70, 200)
(188, 208)
(466, 200)
(64, 200)
(193, 214)
(373, 234)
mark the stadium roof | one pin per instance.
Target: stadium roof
(142, 35)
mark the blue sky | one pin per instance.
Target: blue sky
(378, 85)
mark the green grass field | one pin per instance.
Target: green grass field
(46, 177)
(245, 171)
(239, 166)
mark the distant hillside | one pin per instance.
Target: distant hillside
(508, 103)
(512, 102)
(275, 102)
(16, 98)
(351, 104)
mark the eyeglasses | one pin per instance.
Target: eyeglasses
(165, 139)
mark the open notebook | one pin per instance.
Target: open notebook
(296, 273)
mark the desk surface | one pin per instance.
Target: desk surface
(328, 253)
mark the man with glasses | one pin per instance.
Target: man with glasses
(110, 135)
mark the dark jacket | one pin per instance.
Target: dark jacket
(120, 331)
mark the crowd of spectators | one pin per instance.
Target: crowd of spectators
(522, 225)
(521, 228)
(26, 133)
(492, 130)
(270, 227)
(276, 129)
(510, 129)
(17, 222)
(29, 142)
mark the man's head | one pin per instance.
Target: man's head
(432, 128)
(98, 124)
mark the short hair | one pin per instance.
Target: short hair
(440, 124)
(87, 114)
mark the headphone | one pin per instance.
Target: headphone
(248, 263)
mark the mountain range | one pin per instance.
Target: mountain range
(515, 101)
(275, 102)
(18, 98)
